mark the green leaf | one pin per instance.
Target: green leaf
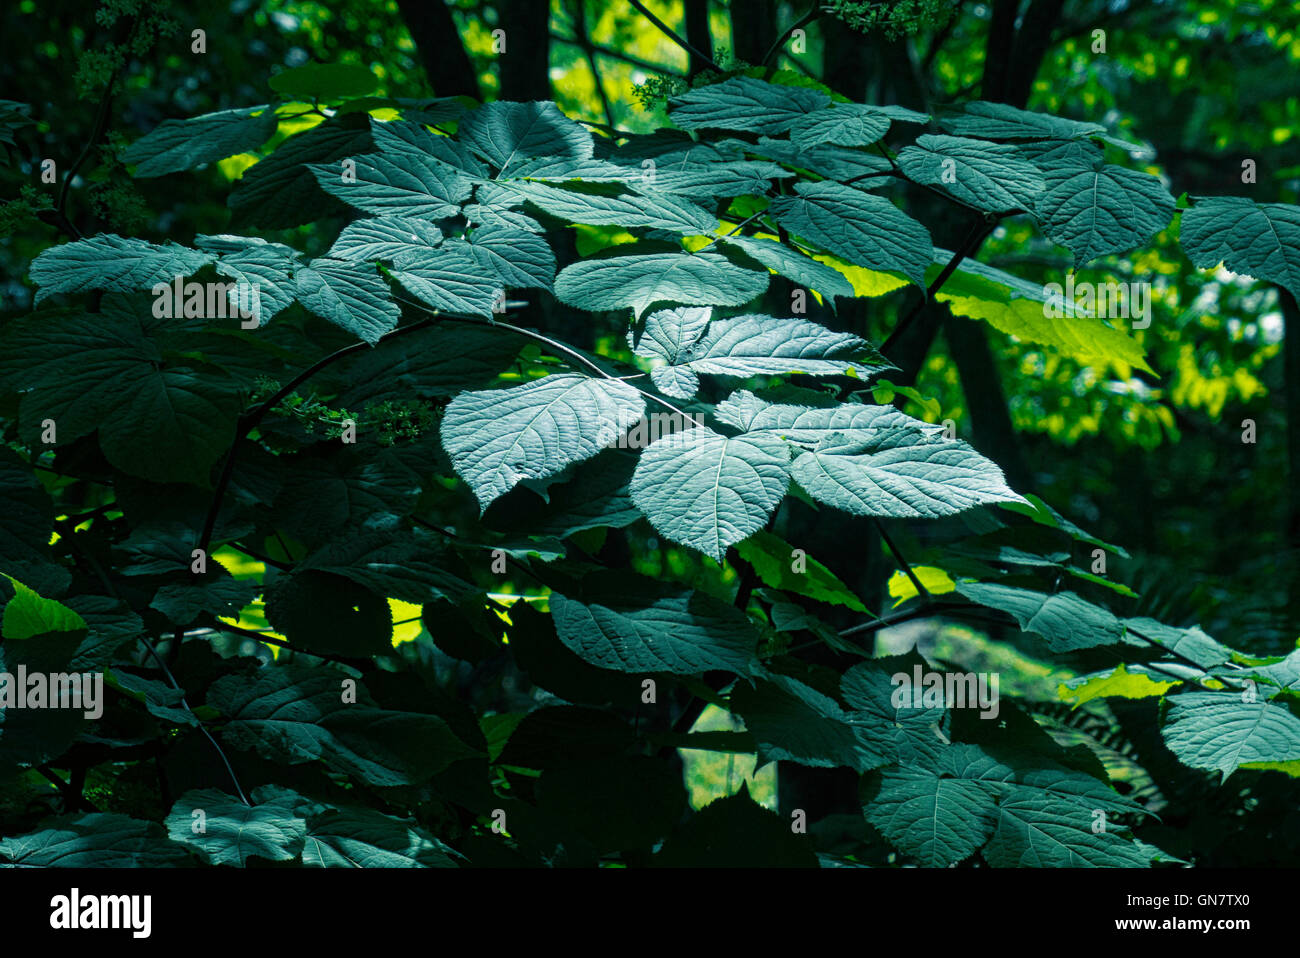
(773, 559)
(748, 346)
(1258, 239)
(939, 815)
(411, 186)
(113, 264)
(295, 714)
(407, 566)
(630, 624)
(498, 437)
(449, 278)
(743, 103)
(793, 722)
(833, 162)
(264, 285)
(998, 121)
(227, 832)
(1103, 209)
(328, 82)
(1123, 681)
(844, 124)
(1041, 832)
(216, 594)
(101, 371)
(516, 257)
(794, 266)
(362, 838)
(1191, 645)
(352, 296)
(508, 134)
(736, 832)
(1066, 621)
(95, 840)
(710, 491)
(28, 615)
(1019, 308)
(988, 176)
(707, 181)
(865, 229)
(809, 425)
(176, 145)
(1220, 731)
(628, 209)
(904, 473)
(280, 191)
(640, 281)
(885, 723)
(402, 138)
(384, 238)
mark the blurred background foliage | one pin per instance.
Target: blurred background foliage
(1153, 461)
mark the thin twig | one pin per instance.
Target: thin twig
(816, 13)
(672, 34)
(898, 556)
(976, 236)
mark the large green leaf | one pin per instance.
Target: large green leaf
(1019, 308)
(641, 280)
(939, 815)
(228, 832)
(809, 425)
(1220, 731)
(498, 437)
(102, 371)
(748, 346)
(655, 211)
(385, 238)
(508, 134)
(710, 491)
(637, 625)
(1103, 209)
(352, 296)
(294, 714)
(865, 229)
(1065, 620)
(413, 186)
(998, 121)
(794, 266)
(176, 145)
(94, 840)
(844, 124)
(1036, 831)
(989, 176)
(450, 278)
(280, 191)
(111, 263)
(743, 103)
(516, 257)
(1258, 239)
(363, 838)
(903, 472)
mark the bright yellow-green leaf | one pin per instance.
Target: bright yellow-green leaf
(935, 580)
(1117, 683)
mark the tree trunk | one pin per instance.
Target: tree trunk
(697, 33)
(525, 66)
(437, 40)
